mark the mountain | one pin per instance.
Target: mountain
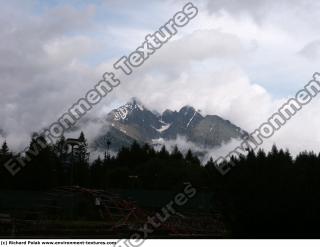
(134, 122)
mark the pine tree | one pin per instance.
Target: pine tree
(82, 137)
(81, 165)
(83, 149)
(176, 154)
(189, 156)
(163, 154)
(4, 149)
(192, 158)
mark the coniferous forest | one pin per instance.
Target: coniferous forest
(264, 194)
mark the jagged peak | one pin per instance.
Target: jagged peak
(187, 108)
(138, 122)
(167, 111)
(133, 105)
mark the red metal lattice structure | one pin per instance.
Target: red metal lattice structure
(127, 215)
(112, 207)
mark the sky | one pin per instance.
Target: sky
(237, 59)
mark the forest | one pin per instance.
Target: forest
(265, 194)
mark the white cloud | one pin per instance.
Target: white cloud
(237, 59)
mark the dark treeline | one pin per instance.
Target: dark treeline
(264, 194)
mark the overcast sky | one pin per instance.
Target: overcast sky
(237, 59)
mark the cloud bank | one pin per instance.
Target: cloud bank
(238, 59)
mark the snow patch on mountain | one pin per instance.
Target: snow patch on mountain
(163, 128)
(123, 131)
(140, 107)
(123, 111)
(191, 119)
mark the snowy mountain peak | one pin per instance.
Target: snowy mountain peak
(133, 121)
(124, 111)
